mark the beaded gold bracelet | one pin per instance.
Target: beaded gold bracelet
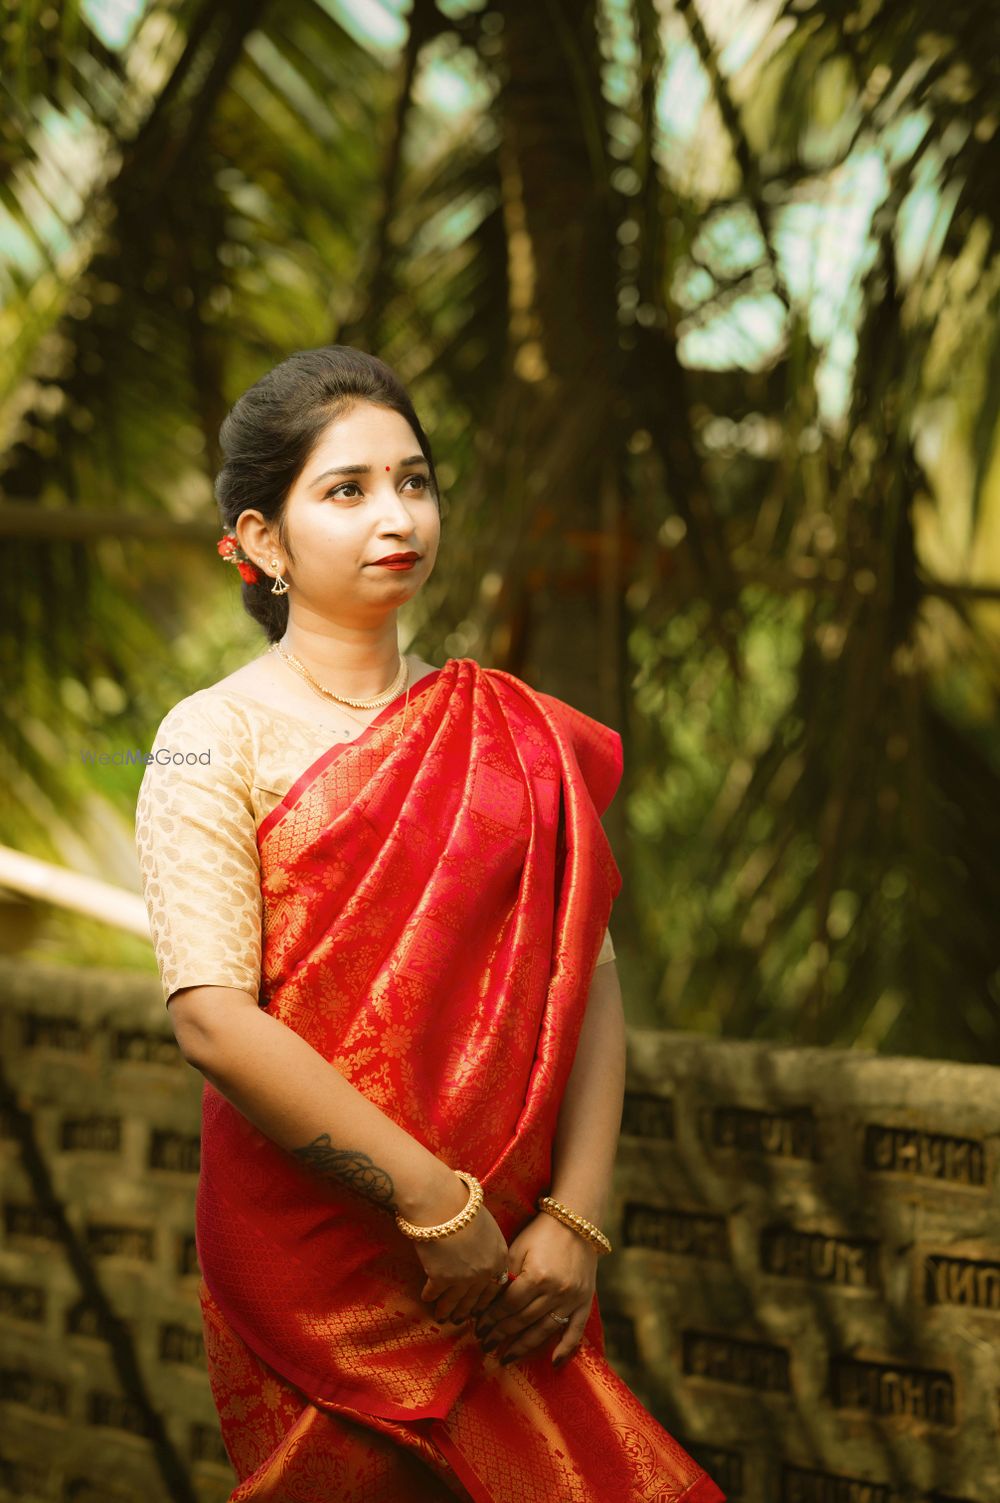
(580, 1224)
(446, 1228)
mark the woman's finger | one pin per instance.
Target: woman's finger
(473, 1302)
(446, 1299)
(449, 1307)
(571, 1337)
(510, 1327)
(529, 1340)
(505, 1321)
(486, 1300)
(496, 1321)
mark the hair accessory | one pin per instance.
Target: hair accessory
(229, 549)
(446, 1228)
(580, 1224)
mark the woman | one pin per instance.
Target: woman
(378, 893)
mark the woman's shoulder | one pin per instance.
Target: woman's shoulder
(596, 747)
(204, 739)
(576, 721)
(210, 706)
(252, 678)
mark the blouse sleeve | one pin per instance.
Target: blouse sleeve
(196, 841)
(607, 950)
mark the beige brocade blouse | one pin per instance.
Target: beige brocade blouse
(196, 834)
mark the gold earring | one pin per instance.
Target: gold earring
(280, 586)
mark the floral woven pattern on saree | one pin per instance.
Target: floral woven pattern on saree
(433, 909)
(434, 905)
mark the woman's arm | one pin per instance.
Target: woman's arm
(288, 1090)
(556, 1268)
(590, 1115)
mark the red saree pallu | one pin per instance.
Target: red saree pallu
(433, 907)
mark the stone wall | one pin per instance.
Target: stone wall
(103, 1393)
(805, 1287)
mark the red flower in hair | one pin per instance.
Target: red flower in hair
(229, 548)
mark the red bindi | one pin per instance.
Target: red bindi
(387, 466)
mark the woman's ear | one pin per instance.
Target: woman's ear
(254, 535)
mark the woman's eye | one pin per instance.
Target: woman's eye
(348, 485)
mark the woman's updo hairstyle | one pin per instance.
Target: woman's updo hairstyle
(270, 432)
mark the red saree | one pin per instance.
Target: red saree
(433, 909)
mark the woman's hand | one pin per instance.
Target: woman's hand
(461, 1268)
(556, 1271)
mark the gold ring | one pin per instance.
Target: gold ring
(562, 1319)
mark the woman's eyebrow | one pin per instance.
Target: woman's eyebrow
(363, 469)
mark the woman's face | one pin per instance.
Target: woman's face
(338, 524)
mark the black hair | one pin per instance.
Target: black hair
(270, 431)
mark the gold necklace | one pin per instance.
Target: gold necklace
(377, 702)
(359, 704)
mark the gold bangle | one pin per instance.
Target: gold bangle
(446, 1228)
(580, 1224)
